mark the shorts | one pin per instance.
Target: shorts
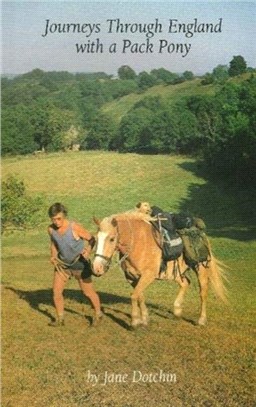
(80, 269)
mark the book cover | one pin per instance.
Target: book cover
(106, 105)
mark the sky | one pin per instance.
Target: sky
(30, 36)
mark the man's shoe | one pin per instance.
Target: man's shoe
(97, 320)
(57, 323)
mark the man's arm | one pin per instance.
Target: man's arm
(53, 249)
(81, 232)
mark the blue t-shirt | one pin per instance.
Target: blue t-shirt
(68, 247)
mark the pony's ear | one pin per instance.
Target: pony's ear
(138, 205)
(96, 220)
(114, 222)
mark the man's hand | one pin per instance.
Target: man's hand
(86, 252)
(53, 260)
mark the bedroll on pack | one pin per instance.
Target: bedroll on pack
(172, 245)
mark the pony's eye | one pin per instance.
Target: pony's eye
(112, 239)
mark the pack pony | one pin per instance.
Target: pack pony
(138, 244)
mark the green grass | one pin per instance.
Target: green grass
(47, 367)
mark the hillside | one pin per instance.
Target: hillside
(208, 117)
(171, 93)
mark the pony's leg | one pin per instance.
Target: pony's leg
(136, 315)
(184, 284)
(203, 283)
(143, 310)
(139, 309)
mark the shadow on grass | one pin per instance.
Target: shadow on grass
(227, 209)
(39, 299)
(170, 315)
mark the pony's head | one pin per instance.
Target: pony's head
(107, 237)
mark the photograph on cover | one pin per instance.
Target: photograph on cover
(128, 194)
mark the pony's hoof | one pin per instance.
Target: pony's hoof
(96, 321)
(135, 324)
(202, 321)
(134, 328)
(144, 321)
(139, 327)
(177, 312)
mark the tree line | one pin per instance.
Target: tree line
(54, 110)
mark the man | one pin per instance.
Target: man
(70, 256)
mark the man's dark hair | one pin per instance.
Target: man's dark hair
(57, 208)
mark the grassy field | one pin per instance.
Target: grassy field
(193, 366)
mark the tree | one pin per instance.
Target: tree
(150, 127)
(89, 112)
(62, 124)
(207, 79)
(188, 75)
(134, 130)
(23, 92)
(40, 121)
(208, 114)
(34, 74)
(70, 137)
(220, 73)
(237, 66)
(226, 124)
(164, 75)
(188, 139)
(101, 133)
(50, 124)
(163, 132)
(121, 87)
(95, 90)
(19, 210)
(153, 103)
(126, 72)
(145, 80)
(17, 131)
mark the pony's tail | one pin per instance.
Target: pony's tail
(217, 277)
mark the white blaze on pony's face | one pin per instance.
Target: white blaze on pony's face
(106, 245)
(101, 237)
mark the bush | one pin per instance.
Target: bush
(18, 209)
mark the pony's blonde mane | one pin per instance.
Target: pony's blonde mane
(132, 215)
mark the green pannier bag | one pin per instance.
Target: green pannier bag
(196, 245)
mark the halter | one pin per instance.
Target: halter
(108, 259)
(124, 255)
(103, 257)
